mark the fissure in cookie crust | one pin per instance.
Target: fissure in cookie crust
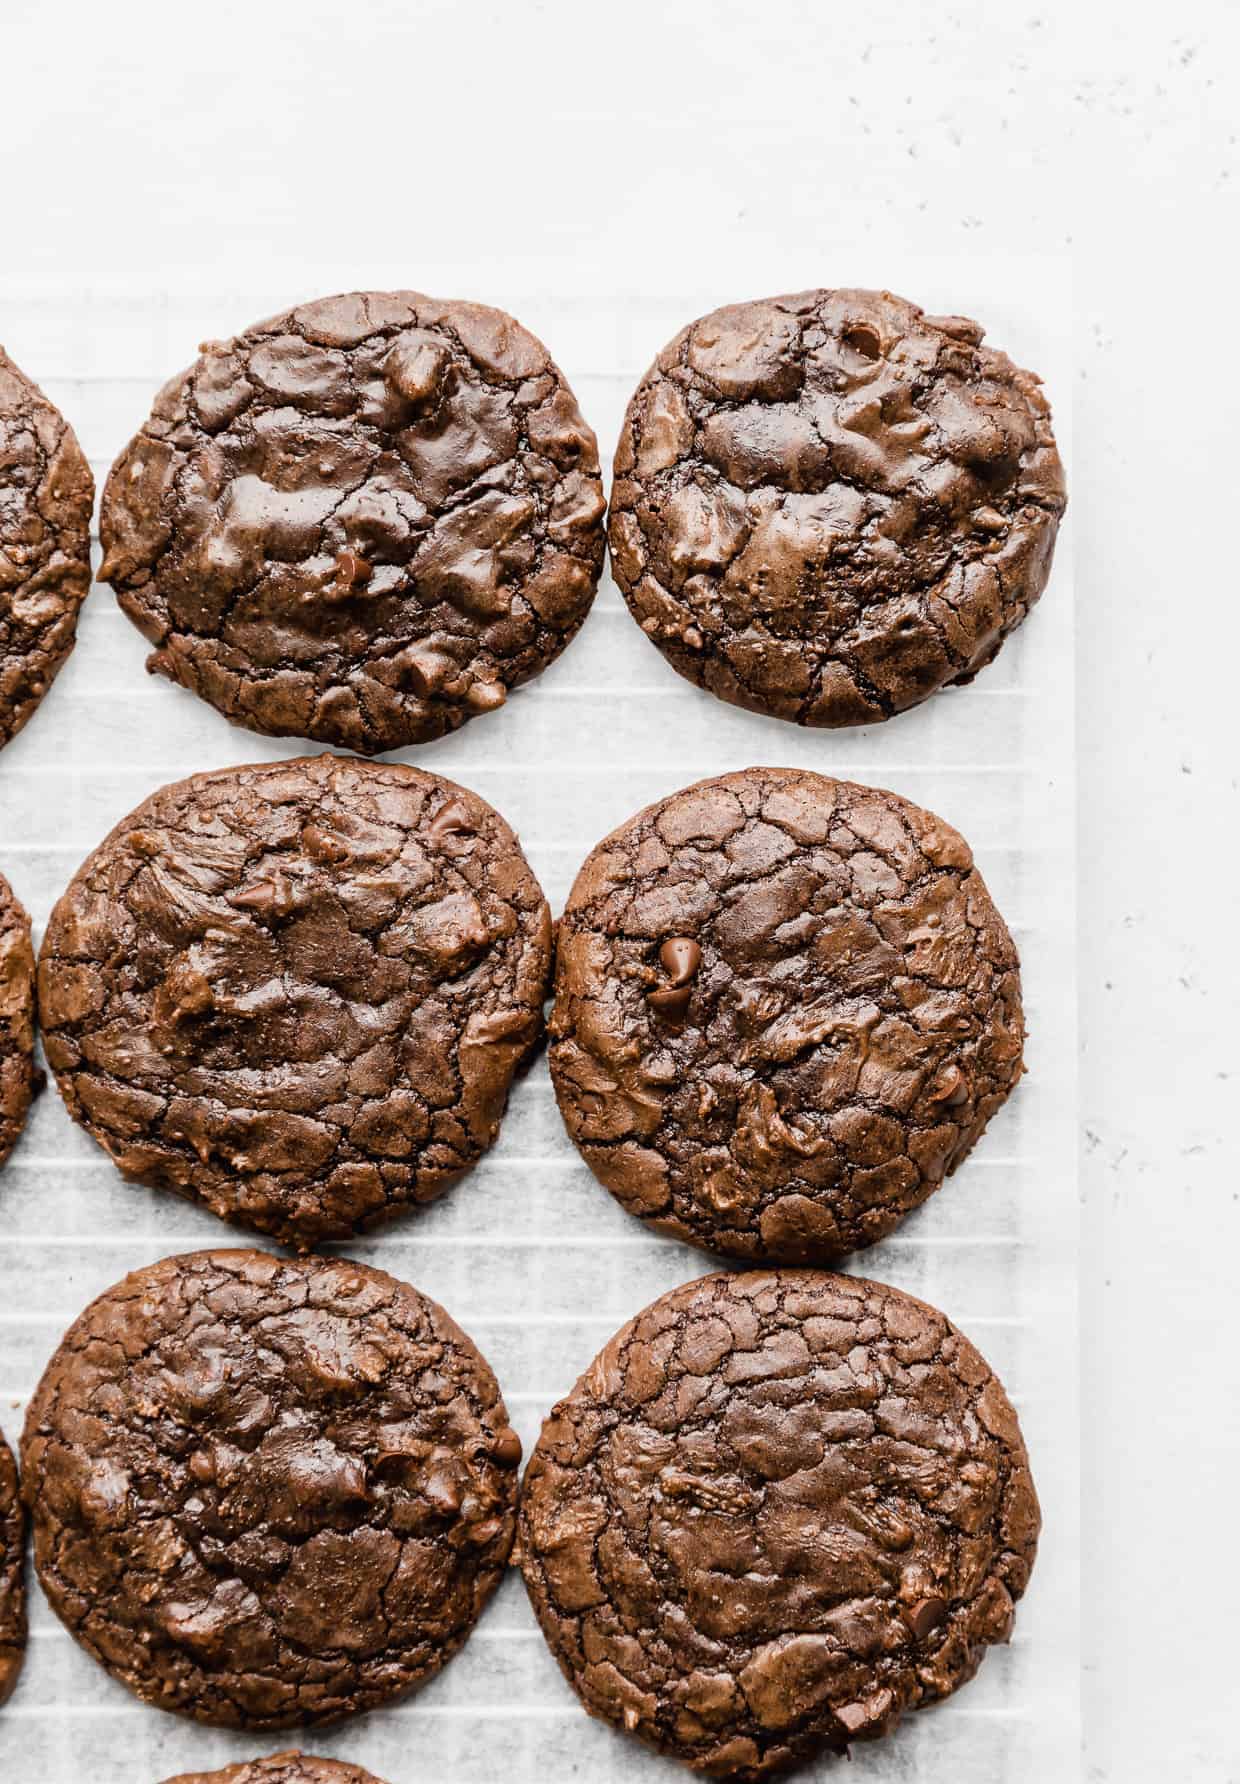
(46, 497)
(785, 1009)
(282, 1768)
(12, 1575)
(364, 521)
(17, 1003)
(829, 505)
(268, 1491)
(298, 992)
(779, 1510)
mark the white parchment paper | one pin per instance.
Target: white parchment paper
(529, 1253)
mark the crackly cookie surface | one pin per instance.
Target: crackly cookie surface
(785, 1009)
(46, 497)
(298, 992)
(266, 1491)
(363, 521)
(17, 1072)
(778, 1510)
(282, 1768)
(12, 1575)
(829, 505)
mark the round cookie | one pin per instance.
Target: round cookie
(18, 1078)
(777, 1511)
(282, 1768)
(268, 1491)
(12, 1575)
(363, 521)
(829, 505)
(46, 497)
(785, 1009)
(298, 992)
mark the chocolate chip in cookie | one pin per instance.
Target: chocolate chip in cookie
(267, 1492)
(46, 497)
(785, 1010)
(299, 992)
(827, 506)
(779, 1510)
(364, 521)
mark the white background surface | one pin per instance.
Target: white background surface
(487, 148)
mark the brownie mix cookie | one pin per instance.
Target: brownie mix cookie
(828, 506)
(298, 992)
(46, 497)
(268, 1492)
(776, 1512)
(363, 521)
(282, 1768)
(12, 1575)
(785, 1009)
(18, 1078)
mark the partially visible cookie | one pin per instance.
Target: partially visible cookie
(785, 1009)
(282, 1768)
(17, 1071)
(267, 1492)
(777, 1511)
(46, 497)
(298, 993)
(829, 505)
(363, 521)
(12, 1575)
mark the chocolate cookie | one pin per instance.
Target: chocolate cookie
(267, 1491)
(298, 992)
(363, 521)
(46, 497)
(18, 1078)
(777, 1511)
(828, 506)
(282, 1768)
(785, 1009)
(12, 1575)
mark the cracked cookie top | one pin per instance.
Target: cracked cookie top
(17, 1071)
(46, 497)
(785, 1009)
(268, 1491)
(298, 992)
(12, 1575)
(778, 1510)
(363, 521)
(829, 505)
(282, 1768)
